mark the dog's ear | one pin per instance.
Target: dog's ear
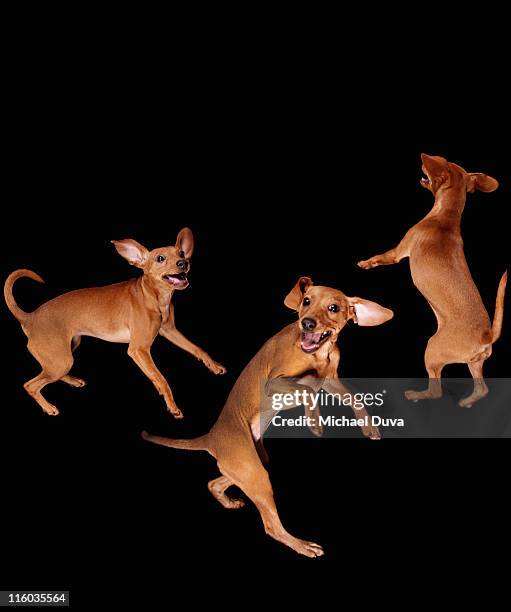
(132, 251)
(483, 182)
(184, 242)
(367, 313)
(295, 296)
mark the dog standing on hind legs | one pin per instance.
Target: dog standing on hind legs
(133, 312)
(306, 351)
(440, 272)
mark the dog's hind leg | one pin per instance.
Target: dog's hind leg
(217, 488)
(56, 361)
(480, 387)
(435, 360)
(33, 388)
(73, 381)
(246, 471)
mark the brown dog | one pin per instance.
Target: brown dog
(440, 272)
(133, 311)
(306, 350)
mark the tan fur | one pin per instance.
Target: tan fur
(133, 312)
(236, 438)
(440, 272)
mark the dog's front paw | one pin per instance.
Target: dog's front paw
(216, 368)
(367, 264)
(308, 549)
(50, 409)
(371, 432)
(174, 411)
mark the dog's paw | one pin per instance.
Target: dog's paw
(367, 264)
(175, 412)
(309, 549)
(371, 432)
(51, 410)
(414, 396)
(73, 381)
(234, 504)
(465, 403)
(216, 368)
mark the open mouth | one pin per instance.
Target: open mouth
(311, 341)
(177, 280)
(425, 181)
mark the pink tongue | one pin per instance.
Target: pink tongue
(174, 281)
(310, 339)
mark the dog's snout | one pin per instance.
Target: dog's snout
(308, 324)
(181, 264)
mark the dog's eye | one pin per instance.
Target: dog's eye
(333, 308)
(160, 258)
(306, 301)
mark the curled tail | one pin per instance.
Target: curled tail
(192, 444)
(21, 315)
(499, 309)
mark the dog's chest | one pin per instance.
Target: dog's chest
(321, 357)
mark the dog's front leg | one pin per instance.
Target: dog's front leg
(168, 330)
(334, 386)
(299, 391)
(393, 256)
(141, 355)
(385, 259)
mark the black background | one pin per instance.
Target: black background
(280, 171)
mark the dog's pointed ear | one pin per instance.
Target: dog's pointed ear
(132, 251)
(184, 242)
(483, 182)
(295, 296)
(367, 313)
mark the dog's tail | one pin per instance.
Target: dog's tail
(21, 315)
(191, 444)
(499, 309)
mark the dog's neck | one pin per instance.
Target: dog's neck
(158, 298)
(449, 203)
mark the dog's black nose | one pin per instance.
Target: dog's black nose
(308, 324)
(181, 264)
